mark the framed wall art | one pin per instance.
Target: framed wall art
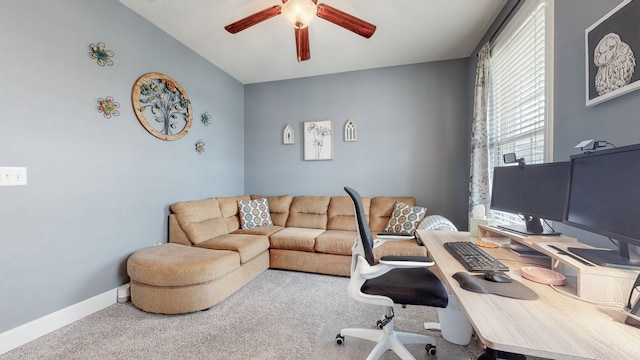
(318, 140)
(612, 46)
(162, 106)
(350, 131)
(288, 135)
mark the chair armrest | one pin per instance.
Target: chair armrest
(388, 263)
(394, 235)
(381, 239)
(407, 261)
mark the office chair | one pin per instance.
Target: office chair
(394, 280)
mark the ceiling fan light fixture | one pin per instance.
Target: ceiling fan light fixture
(299, 13)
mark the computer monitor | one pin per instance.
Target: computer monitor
(605, 199)
(536, 192)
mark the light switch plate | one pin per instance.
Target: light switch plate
(13, 176)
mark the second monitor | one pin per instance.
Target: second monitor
(535, 192)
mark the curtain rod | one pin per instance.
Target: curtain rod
(505, 20)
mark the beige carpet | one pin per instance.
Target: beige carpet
(279, 315)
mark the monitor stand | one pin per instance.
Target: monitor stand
(609, 258)
(521, 229)
(533, 226)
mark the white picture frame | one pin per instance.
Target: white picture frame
(318, 140)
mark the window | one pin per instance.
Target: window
(520, 92)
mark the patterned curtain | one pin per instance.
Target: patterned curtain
(479, 168)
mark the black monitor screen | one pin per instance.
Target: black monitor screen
(605, 198)
(536, 192)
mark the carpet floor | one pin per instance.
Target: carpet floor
(279, 315)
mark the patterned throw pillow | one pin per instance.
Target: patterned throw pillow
(405, 217)
(254, 213)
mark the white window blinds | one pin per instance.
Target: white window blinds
(516, 111)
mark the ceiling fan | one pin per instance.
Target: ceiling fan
(300, 13)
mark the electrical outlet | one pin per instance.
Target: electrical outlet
(13, 176)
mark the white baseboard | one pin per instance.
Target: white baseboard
(30, 331)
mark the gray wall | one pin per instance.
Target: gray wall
(615, 120)
(412, 131)
(99, 188)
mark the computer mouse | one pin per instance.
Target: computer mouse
(469, 282)
(497, 276)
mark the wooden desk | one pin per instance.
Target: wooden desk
(554, 326)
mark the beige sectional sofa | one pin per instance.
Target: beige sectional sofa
(309, 233)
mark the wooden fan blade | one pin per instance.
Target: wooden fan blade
(346, 21)
(251, 20)
(302, 44)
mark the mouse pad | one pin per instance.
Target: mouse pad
(514, 289)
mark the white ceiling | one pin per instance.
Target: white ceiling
(408, 32)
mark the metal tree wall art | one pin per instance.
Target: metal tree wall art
(101, 54)
(162, 106)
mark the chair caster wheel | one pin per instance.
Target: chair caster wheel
(339, 339)
(379, 324)
(431, 349)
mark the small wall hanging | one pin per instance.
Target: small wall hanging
(318, 140)
(102, 56)
(350, 131)
(200, 146)
(162, 106)
(108, 107)
(288, 135)
(206, 118)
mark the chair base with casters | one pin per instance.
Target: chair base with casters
(389, 339)
(393, 280)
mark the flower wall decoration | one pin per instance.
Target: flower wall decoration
(200, 147)
(162, 106)
(206, 118)
(108, 107)
(101, 54)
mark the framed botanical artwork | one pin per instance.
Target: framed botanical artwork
(162, 106)
(612, 46)
(318, 140)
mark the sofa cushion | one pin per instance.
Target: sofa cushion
(293, 238)
(405, 218)
(339, 242)
(247, 245)
(341, 215)
(254, 213)
(381, 209)
(179, 265)
(229, 210)
(200, 219)
(308, 212)
(278, 207)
